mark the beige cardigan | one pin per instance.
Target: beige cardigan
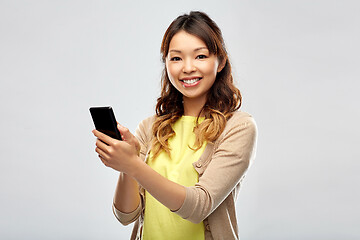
(221, 169)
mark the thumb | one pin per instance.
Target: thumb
(125, 133)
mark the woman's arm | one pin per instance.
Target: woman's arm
(233, 153)
(126, 198)
(123, 157)
(229, 163)
(126, 202)
(167, 192)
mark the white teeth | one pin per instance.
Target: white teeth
(191, 81)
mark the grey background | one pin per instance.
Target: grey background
(296, 63)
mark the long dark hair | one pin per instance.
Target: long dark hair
(223, 97)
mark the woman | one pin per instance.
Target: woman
(180, 176)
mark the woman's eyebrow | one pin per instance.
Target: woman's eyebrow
(174, 50)
(200, 48)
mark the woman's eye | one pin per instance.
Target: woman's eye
(175, 59)
(201, 56)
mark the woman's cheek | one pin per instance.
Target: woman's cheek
(170, 74)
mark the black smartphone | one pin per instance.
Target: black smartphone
(105, 122)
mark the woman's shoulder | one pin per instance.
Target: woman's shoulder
(148, 121)
(241, 123)
(240, 129)
(240, 118)
(144, 127)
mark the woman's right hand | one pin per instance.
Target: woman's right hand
(119, 155)
(128, 137)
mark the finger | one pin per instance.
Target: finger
(104, 161)
(101, 145)
(103, 137)
(125, 133)
(101, 153)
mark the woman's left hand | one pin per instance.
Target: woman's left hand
(119, 155)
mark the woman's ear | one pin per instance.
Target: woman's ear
(222, 63)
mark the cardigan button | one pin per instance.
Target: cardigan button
(198, 165)
(207, 227)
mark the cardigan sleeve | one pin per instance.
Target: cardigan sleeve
(143, 134)
(233, 152)
(127, 218)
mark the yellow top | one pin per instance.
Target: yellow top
(159, 222)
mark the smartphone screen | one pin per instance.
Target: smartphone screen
(105, 122)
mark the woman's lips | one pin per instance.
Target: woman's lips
(190, 82)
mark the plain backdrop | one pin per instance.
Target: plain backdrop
(296, 63)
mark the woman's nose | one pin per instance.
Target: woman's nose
(189, 66)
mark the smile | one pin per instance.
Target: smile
(190, 82)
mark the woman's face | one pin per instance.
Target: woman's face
(190, 66)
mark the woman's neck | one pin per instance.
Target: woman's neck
(192, 107)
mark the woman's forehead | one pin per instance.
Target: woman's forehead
(183, 40)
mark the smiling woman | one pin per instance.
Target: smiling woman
(180, 175)
(192, 70)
